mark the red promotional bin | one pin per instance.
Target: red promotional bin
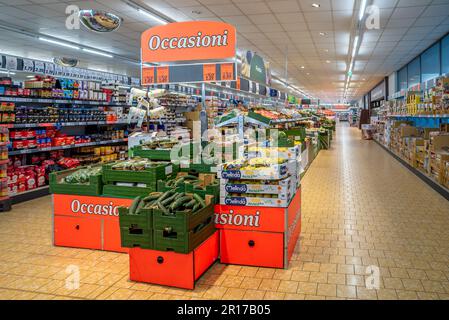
(87, 222)
(259, 236)
(173, 269)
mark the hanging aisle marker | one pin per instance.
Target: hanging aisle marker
(189, 52)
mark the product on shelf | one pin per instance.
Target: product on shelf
(82, 176)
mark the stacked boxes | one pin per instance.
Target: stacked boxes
(132, 183)
(178, 231)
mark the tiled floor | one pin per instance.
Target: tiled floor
(361, 208)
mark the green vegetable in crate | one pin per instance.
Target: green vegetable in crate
(177, 205)
(82, 176)
(199, 200)
(152, 196)
(190, 204)
(134, 205)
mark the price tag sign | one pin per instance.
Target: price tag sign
(237, 86)
(39, 67)
(58, 70)
(162, 74)
(28, 65)
(49, 68)
(11, 63)
(227, 72)
(209, 72)
(147, 76)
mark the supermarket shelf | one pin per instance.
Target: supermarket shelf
(4, 161)
(89, 144)
(432, 183)
(61, 101)
(30, 194)
(63, 124)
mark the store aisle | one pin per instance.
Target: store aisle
(360, 208)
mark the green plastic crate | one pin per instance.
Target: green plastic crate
(126, 192)
(181, 221)
(200, 168)
(93, 188)
(143, 219)
(182, 242)
(213, 190)
(148, 176)
(138, 151)
(132, 238)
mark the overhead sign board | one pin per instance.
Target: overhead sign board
(188, 41)
(255, 68)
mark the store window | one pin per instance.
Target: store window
(414, 72)
(430, 63)
(445, 55)
(402, 79)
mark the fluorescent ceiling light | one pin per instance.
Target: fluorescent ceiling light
(316, 5)
(7, 72)
(354, 49)
(152, 16)
(63, 44)
(98, 53)
(322, 33)
(362, 10)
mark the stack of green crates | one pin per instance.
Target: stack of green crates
(180, 232)
(136, 230)
(148, 177)
(58, 186)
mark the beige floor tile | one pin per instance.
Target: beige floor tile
(250, 283)
(288, 286)
(254, 295)
(345, 291)
(294, 296)
(270, 295)
(366, 294)
(336, 278)
(307, 288)
(269, 285)
(234, 294)
(328, 290)
(300, 276)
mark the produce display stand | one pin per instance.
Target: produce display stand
(89, 222)
(173, 269)
(259, 236)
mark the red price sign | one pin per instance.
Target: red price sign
(209, 72)
(147, 76)
(162, 75)
(227, 72)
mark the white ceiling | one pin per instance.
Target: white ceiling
(276, 29)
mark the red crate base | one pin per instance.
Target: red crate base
(170, 268)
(77, 223)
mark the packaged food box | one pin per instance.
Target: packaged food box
(275, 152)
(273, 172)
(240, 186)
(256, 201)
